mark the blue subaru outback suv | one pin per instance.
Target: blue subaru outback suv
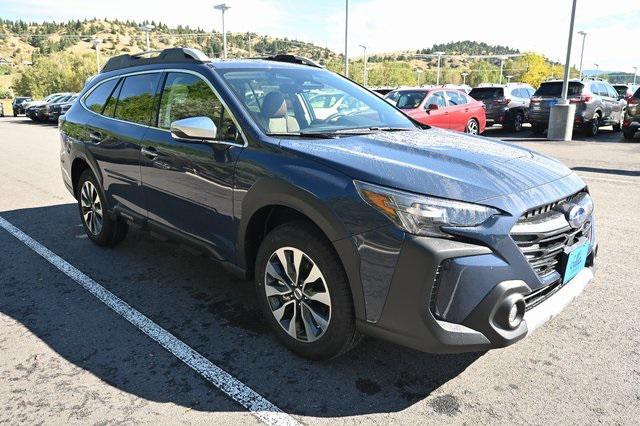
(351, 218)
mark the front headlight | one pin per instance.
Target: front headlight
(420, 214)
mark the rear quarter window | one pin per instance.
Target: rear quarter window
(482, 93)
(98, 96)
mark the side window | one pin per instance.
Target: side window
(601, 89)
(98, 97)
(110, 108)
(611, 92)
(137, 100)
(437, 99)
(186, 95)
(456, 98)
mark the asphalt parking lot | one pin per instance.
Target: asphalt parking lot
(66, 357)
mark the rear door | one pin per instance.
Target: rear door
(616, 104)
(437, 117)
(458, 108)
(189, 184)
(116, 131)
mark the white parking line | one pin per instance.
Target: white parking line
(234, 388)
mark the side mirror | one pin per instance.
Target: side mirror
(432, 107)
(194, 128)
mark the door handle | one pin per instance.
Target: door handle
(150, 153)
(95, 137)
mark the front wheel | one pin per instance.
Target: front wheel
(303, 292)
(515, 124)
(593, 127)
(99, 226)
(472, 127)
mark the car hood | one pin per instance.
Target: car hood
(434, 162)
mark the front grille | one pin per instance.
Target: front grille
(542, 235)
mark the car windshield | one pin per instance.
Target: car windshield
(410, 99)
(554, 89)
(309, 100)
(482, 93)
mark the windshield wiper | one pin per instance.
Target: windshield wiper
(311, 135)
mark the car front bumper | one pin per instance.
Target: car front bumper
(483, 285)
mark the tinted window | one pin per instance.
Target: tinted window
(611, 92)
(456, 98)
(437, 99)
(554, 89)
(410, 99)
(637, 94)
(110, 108)
(137, 100)
(98, 97)
(184, 96)
(622, 90)
(482, 93)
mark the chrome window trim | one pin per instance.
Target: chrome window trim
(159, 71)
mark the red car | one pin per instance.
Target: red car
(441, 107)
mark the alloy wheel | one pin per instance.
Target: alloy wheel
(472, 127)
(595, 125)
(517, 122)
(297, 294)
(91, 207)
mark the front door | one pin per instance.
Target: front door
(437, 117)
(189, 184)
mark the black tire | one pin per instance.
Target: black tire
(515, 122)
(537, 129)
(112, 229)
(592, 128)
(472, 127)
(340, 335)
(629, 134)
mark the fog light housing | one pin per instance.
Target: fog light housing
(514, 318)
(511, 312)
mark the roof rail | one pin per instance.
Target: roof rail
(291, 59)
(178, 54)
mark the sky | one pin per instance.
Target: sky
(387, 25)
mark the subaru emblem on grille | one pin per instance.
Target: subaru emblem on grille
(576, 216)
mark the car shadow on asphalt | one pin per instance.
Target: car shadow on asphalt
(604, 170)
(201, 304)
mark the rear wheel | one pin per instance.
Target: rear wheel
(99, 226)
(593, 127)
(303, 292)
(629, 133)
(516, 122)
(472, 127)
(537, 129)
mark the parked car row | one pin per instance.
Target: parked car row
(598, 104)
(48, 109)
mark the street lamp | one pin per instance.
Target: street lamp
(597, 70)
(502, 58)
(418, 72)
(584, 36)
(509, 77)
(222, 7)
(96, 45)
(147, 29)
(563, 113)
(635, 74)
(439, 58)
(364, 60)
(464, 78)
(346, 38)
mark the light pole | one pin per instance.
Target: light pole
(597, 70)
(147, 29)
(502, 58)
(418, 72)
(222, 7)
(439, 58)
(464, 78)
(509, 77)
(346, 38)
(364, 61)
(584, 36)
(563, 113)
(635, 74)
(96, 45)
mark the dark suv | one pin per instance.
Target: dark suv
(18, 105)
(597, 104)
(360, 222)
(505, 104)
(631, 124)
